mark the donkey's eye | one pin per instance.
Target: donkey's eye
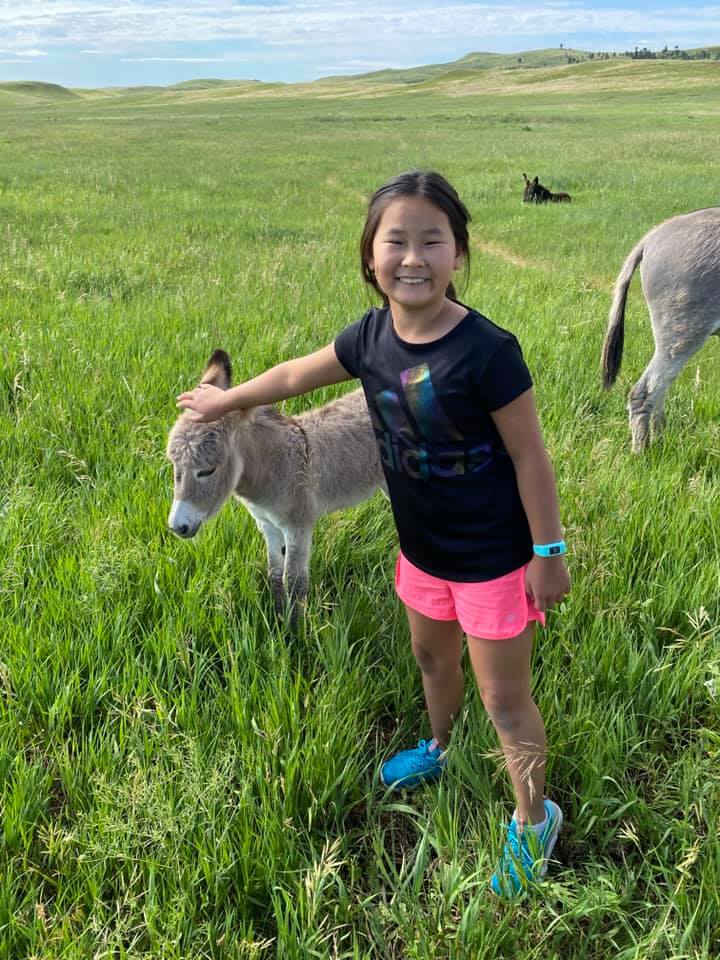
(202, 474)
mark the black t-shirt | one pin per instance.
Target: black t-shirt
(451, 481)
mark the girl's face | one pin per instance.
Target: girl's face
(414, 254)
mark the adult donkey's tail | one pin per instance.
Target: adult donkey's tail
(615, 337)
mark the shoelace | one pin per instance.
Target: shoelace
(515, 853)
(512, 840)
(417, 762)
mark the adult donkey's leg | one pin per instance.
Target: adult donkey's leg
(647, 398)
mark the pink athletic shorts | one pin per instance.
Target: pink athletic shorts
(492, 609)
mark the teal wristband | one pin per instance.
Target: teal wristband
(550, 549)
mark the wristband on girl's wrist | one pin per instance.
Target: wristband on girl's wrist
(555, 549)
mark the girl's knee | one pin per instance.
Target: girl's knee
(506, 709)
(435, 661)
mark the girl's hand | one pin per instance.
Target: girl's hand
(204, 403)
(547, 581)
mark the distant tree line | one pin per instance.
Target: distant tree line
(643, 53)
(671, 54)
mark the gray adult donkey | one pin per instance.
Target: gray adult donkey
(288, 471)
(680, 273)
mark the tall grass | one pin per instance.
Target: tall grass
(180, 777)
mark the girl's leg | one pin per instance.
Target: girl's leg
(438, 647)
(502, 671)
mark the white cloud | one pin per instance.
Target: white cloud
(127, 24)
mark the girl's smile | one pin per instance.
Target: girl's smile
(414, 256)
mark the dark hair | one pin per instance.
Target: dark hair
(415, 183)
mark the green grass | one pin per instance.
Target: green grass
(181, 778)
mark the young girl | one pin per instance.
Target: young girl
(471, 487)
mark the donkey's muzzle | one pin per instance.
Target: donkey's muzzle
(183, 520)
(184, 530)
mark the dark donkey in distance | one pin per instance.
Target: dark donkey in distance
(536, 193)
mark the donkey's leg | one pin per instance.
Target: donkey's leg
(647, 398)
(275, 542)
(297, 563)
(657, 418)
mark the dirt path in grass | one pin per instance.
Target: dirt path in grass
(504, 253)
(507, 255)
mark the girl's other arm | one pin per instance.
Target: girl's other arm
(547, 579)
(288, 379)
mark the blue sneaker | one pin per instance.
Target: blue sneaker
(524, 860)
(410, 768)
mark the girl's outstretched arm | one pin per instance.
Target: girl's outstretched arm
(547, 580)
(288, 379)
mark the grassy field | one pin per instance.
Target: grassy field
(179, 777)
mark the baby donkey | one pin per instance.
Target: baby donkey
(288, 471)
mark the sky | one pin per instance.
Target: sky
(102, 43)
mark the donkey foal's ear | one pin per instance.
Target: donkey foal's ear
(218, 371)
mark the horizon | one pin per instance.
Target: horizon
(95, 44)
(197, 79)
